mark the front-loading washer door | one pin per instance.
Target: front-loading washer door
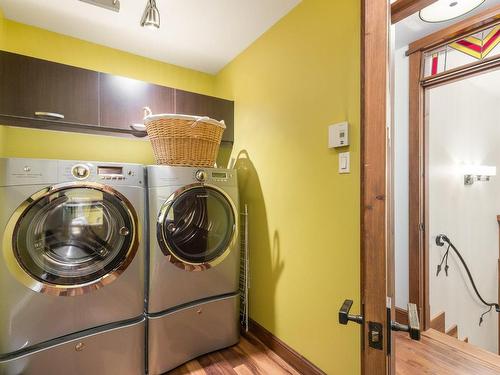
(71, 238)
(197, 227)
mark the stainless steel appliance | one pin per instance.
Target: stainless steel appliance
(194, 265)
(71, 267)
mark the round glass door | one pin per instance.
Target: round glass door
(197, 226)
(75, 236)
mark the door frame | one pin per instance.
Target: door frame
(377, 254)
(418, 165)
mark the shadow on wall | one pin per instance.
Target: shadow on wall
(224, 155)
(266, 263)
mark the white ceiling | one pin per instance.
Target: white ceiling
(413, 28)
(203, 35)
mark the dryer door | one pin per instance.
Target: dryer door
(197, 227)
(71, 238)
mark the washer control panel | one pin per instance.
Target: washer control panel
(111, 172)
(80, 171)
(105, 173)
(23, 171)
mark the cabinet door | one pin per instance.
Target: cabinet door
(188, 103)
(33, 88)
(122, 100)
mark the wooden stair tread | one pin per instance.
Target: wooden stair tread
(438, 353)
(439, 322)
(453, 331)
(466, 348)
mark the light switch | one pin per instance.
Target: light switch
(345, 162)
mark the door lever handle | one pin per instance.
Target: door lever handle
(413, 327)
(345, 317)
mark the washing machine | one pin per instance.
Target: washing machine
(71, 267)
(194, 263)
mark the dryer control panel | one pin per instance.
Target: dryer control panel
(220, 176)
(214, 175)
(161, 175)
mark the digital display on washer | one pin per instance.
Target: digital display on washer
(219, 174)
(106, 171)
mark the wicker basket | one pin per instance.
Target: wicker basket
(184, 140)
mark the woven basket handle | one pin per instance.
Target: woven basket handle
(201, 119)
(147, 111)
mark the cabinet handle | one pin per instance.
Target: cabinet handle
(138, 127)
(50, 115)
(139, 130)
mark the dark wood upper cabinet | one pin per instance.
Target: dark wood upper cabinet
(43, 94)
(122, 100)
(188, 103)
(34, 88)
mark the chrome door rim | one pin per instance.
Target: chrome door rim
(23, 276)
(163, 243)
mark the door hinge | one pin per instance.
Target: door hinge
(421, 227)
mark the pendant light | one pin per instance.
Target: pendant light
(445, 10)
(151, 15)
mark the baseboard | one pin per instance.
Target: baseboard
(401, 316)
(294, 359)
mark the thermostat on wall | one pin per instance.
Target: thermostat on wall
(338, 135)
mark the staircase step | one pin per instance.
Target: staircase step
(453, 331)
(438, 322)
(438, 353)
(468, 349)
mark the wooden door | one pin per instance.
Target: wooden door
(376, 258)
(188, 103)
(376, 288)
(122, 100)
(38, 89)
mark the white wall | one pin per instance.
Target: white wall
(464, 128)
(401, 100)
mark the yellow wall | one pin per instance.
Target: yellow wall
(300, 76)
(288, 86)
(32, 41)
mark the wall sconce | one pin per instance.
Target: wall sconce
(473, 173)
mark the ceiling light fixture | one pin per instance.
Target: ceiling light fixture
(151, 15)
(113, 5)
(446, 10)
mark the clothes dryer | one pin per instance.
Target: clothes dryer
(194, 264)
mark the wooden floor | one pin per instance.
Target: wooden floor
(435, 354)
(249, 357)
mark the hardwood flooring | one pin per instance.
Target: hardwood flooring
(436, 354)
(249, 357)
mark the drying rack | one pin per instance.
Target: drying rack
(244, 270)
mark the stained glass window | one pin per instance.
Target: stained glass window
(473, 48)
